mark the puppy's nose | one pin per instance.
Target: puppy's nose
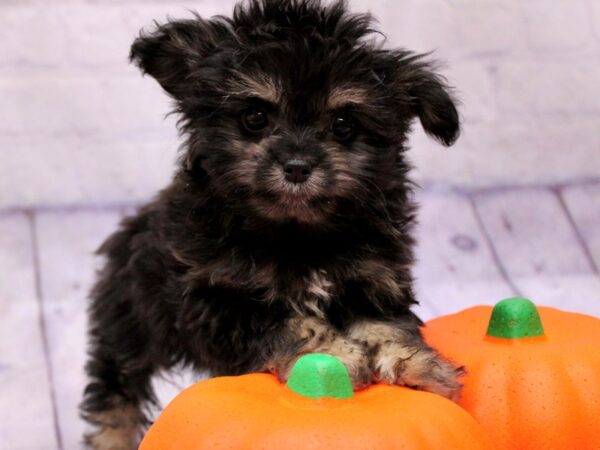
(297, 170)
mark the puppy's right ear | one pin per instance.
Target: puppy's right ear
(173, 50)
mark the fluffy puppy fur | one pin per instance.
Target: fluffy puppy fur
(287, 226)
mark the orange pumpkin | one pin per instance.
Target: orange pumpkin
(533, 378)
(317, 410)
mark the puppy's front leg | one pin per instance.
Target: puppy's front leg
(304, 335)
(400, 356)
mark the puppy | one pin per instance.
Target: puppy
(287, 226)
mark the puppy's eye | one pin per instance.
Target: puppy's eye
(343, 127)
(255, 119)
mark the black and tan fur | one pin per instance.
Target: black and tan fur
(233, 268)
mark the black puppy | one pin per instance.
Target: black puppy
(287, 227)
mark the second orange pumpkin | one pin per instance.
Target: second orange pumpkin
(533, 384)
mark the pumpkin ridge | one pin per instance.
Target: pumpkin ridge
(573, 365)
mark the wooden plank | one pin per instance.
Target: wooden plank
(455, 267)
(583, 204)
(67, 242)
(68, 265)
(539, 248)
(26, 416)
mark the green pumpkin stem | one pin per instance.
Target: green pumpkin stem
(318, 375)
(515, 318)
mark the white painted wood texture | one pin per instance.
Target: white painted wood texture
(539, 249)
(26, 417)
(455, 267)
(66, 247)
(583, 204)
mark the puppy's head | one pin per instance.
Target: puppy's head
(291, 108)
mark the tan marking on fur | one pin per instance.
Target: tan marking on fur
(393, 355)
(322, 338)
(312, 329)
(312, 294)
(392, 342)
(379, 275)
(248, 157)
(312, 187)
(303, 306)
(345, 95)
(319, 285)
(419, 367)
(253, 149)
(294, 199)
(313, 306)
(117, 429)
(259, 149)
(354, 357)
(257, 85)
(374, 333)
(346, 166)
(402, 359)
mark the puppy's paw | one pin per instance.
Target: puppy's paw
(107, 438)
(355, 358)
(420, 368)
(117, 429)
(352, 354)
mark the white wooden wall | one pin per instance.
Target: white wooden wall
(80, 126)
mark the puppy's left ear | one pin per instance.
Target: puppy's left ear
(174, 50)
(429, 98)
